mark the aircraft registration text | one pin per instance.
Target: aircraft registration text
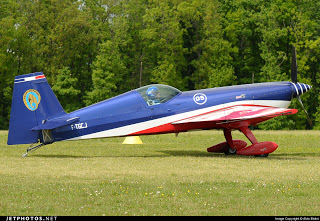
(79, 126)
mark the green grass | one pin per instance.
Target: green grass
(164, 176)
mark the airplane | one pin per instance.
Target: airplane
(37, 117)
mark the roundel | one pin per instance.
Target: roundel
(31, 99)
(200, 98)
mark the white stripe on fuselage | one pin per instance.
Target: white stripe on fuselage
(133, 128)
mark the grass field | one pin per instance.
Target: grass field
(164, 176)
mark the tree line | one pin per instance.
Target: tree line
(91, 50)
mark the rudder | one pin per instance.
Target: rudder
(33, 102)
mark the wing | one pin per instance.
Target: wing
(218, 119)
(239, 113)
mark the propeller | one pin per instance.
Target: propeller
(294, 79)
(294, 67)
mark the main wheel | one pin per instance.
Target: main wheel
(230, 151)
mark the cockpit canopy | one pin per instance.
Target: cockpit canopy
(157, 93)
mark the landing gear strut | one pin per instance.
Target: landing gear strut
(230, 146)
(231, 143)
(248, 133)
(46, 139)
(31, 149)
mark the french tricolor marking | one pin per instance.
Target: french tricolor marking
(33, 78)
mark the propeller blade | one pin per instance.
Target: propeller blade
(294, 79)
(294, 68)
(307, 115)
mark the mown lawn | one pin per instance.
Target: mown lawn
(166, 175)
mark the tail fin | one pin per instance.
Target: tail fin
(33, 102)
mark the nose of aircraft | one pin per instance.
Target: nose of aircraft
(300, 88)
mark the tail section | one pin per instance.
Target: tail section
(33, 103)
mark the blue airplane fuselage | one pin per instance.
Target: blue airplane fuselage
(131, 109)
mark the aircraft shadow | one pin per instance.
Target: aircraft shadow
(187, 153)
(282, 156)
(59, 156)
(95, 156)
(161, 154)
(190, 153)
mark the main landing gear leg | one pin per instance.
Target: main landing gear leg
(258, 149)
(228, 136)
(32, 149)
(247, 132)
(229, 146)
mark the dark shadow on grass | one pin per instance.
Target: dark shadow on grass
(194, 153)
(96, 156)
(187, 153)
(282, 156)
(166, 153)
(59, 156)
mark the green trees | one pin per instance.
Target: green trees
(163, 42)
(91, 50)
(213, 64)
(108, 74)
(55, 37)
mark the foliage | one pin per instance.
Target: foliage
(108, 71)
(64, 88)
(91, 50)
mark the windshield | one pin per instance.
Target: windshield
(157, 93)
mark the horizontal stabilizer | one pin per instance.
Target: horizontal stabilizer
(55, 123)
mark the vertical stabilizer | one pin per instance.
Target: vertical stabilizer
(33, 102)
